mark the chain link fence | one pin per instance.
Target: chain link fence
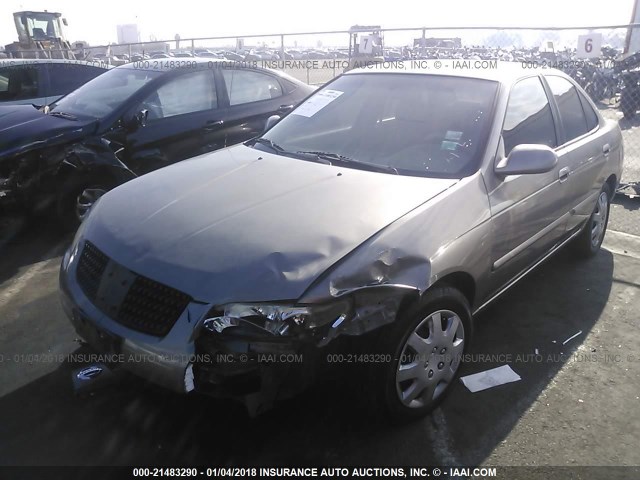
(594, 57)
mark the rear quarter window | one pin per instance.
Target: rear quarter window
(592, 117)
(18, 83)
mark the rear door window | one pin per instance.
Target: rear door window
(528, 118)
(246, 86)
(570, 107)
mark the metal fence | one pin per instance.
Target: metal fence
(593, 56)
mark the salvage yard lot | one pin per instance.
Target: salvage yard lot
(576, 404)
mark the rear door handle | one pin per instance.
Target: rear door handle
(213, 125)
(606, 148)
(563, 174)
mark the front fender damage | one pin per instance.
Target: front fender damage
(248, 364)
(373, 306)
(392, 266)
(30, 181)
(377, 284)
(98, 153)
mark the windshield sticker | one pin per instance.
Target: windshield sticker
(317, 103)
(446, 145)
(452, 135)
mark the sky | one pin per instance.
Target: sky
(95, 22)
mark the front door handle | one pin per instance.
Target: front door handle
(285, 108)
(563, 174)
(606, 148)
(213, 125)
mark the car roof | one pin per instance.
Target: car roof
(176, 63)
(12, 62)
(172, 63)
(494, 70)
(30, 12)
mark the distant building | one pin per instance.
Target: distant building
(128, 33)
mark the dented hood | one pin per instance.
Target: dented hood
(23, 128)
(244, 225)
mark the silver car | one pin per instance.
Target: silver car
(368, 226)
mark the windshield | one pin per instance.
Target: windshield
(102, 95)
(425, 125)
(43, 26)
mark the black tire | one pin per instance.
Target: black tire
(393, 343)
(66, 205)
(584, 244)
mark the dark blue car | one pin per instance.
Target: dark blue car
(129, 121)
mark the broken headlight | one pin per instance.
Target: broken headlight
(274, 319)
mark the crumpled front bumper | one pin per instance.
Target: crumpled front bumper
(256, 371)
(163, 363)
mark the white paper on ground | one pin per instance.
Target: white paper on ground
(490, 378)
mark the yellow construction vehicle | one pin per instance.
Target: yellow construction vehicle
(40, 35)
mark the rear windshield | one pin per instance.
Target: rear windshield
(424, 125)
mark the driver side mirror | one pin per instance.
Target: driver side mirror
(137, 121)
(271, 121)
(64, 20)
(527, 159)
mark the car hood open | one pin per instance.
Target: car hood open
(23, 128)
(244, 225)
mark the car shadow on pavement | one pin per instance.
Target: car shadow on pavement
(560, 299)
(24, 242)
(627, 202)
(133, 422)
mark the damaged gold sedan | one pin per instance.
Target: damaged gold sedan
(387, 209)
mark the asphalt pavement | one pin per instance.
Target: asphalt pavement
(577, 403)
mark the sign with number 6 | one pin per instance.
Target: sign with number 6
(589, 45)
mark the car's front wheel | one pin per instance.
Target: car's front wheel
(426, 346)
(77, 196)
(588, 242)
